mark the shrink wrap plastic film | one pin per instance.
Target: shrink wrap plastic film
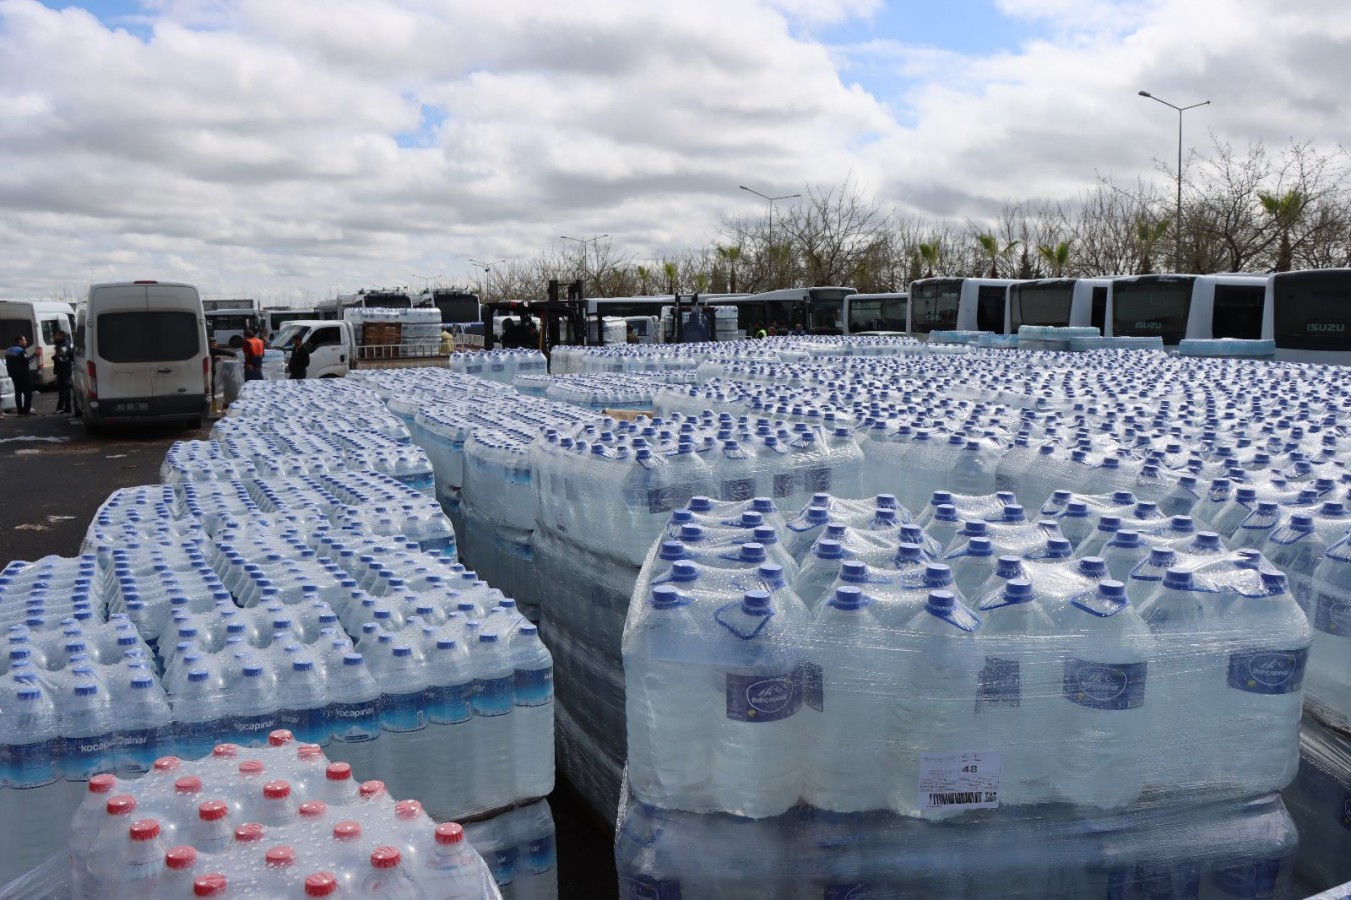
(1320, 802)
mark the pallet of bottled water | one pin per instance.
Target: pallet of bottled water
(1320, 802)
(1227, 348)
(280, 820)
(501, 366)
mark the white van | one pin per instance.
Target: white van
(331, 344)
(141, 354)
(37, 320)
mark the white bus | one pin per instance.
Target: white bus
(39, 321)
(958, 304)
(227, 326)
(1175, 307)
(1057, 302)
(1308, 315)
(876, 313)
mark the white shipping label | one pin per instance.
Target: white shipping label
(966, 780)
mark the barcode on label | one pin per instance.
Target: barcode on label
(961, 798)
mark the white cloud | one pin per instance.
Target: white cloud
(250, 142)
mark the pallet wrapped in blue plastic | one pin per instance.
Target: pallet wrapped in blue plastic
(1320, 802)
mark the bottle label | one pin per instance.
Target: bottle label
(1110, 686)
(140, 747)
(1000, 683)
(501, 862)
(403, 712)
(1160, 883)
(963, 780)
(450, 704)
(33, 765)
(310, 726)
(534, 687)
(1332, 615)
(644, 888)
(1252, 880)
(352, 723)
(857, 890)
(763, 698)
(541, 853)
(252, 731)
(784, 483)
(83, 757)
(494, 696)
(738, 489)
(1268, 671)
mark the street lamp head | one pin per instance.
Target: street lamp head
(1146, 94)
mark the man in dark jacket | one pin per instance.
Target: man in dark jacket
(63, 365)
(18, 362)
(300, 359)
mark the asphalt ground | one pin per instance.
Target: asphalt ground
(53, 478)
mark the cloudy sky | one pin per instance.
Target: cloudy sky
(290, 148)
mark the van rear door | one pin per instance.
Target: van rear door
(149, 351)
(178, 383)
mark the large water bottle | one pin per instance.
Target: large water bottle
(146, 727)
(1256, 528)
(1328, 681)
(972, 564)
(1187, 678)
(934, 707)
(1296, 549)
(1018, 699)
(354, 714)
(302, 701)
(201, 716)
(403, 719)
(254, 704)
(973, 473)
(756, 742)
(668, 705)
(850, 737)
(537, 862)
(451, 870)
(1105, 672)
(33, 812)
(493, 700)
(533, 716)
(1267, 638)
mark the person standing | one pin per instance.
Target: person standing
(253, 356)
(63, 365)
(299, 362)
(18, 363)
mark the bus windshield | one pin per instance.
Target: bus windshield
(877, 314)
(934, 305)
(826, 317)
(1311, 311)
(1152, 309)
(1039, 304)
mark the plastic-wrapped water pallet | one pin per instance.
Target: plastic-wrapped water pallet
(1229, 348)
(1320, 802)
(955, 337)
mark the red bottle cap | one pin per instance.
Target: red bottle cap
(167, 764)
(225, 751)
(280, 737)
(188, 784)
(338, 771)
(347, 830)
(320, 884)
(313, 809)
(372, 788)
(102, 784)
(251, 768)
(212, 811)
(449, 833)
(309, 752)
(180, 858)
(248, 833)
(277, 790)
(120, 805)
(280, 856)
(210, 885)
(144, 830)
(385, 857)
(408, 809)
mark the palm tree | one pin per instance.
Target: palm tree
(672, 273)
(1057, 257)
(1148, 234)
(928, 254)
(701, 283)
(732, 255)
(1285, 212)
(990, 244)
(644, 278)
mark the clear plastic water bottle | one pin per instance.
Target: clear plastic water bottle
(756, 743)
(451, 870)
(403, 716)
(140, 862)
(254, 704)
(302, 701)
(1328, 680)
(450, 729)
(200, 716)
(89, 739)
(493, 701)
(387, 879)
(1104, 716)
(533, 716)
(354, 714)
(146, 727)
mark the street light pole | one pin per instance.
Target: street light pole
(427, 281)
(486, 267)
(772, 201)
(1177, 225)
(583, 242)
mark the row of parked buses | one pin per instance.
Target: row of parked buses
(1307, 314)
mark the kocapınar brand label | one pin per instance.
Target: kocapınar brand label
(1268, 671)
(1106, 686)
